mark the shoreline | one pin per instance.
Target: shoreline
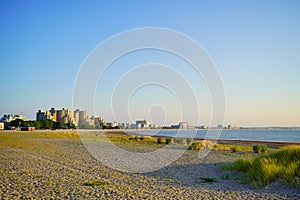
(135, 132)
(219, 141)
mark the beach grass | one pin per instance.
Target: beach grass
(95, 183)
(283, 165)
(208, 179)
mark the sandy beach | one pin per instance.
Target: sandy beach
(56, 165)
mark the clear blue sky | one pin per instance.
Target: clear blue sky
(255, 45)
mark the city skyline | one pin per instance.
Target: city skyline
(254, 45)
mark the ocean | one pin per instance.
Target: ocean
(266, 135)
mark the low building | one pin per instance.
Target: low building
(153, 126)
(183, 125)
(133, 126)
(141, 124)
(112, 124)
(1, 126)
(220, 126)
(12, 117)
(230, 126)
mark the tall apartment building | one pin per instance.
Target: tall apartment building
(83, 118)
(64, 116)
(78, 117)
(43, 115)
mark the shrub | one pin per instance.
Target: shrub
(234, 149)
(178, 140)
(203, 145)
(189, 141)
(255, 148)
(159, 140)
(136, 138)
(168, 140)
(195, 146)
(263, 149)
(208, 179)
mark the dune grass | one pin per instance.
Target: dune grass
(208, 179)
(95, 183)
(265, 169)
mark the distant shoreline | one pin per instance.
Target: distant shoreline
(135, 132)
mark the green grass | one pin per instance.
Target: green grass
(95, 183)
(265, 169)
(232, 148)
(208, 179)
(226, 176)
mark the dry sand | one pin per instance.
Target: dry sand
(60, 168)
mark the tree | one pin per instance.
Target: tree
(58, 125)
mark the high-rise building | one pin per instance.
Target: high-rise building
(83, 118)
(76, 117)
(64, 116)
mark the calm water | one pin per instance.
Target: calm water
(276, 135)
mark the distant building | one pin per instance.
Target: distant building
(99, 122)
(124, 125)
(230, 126)
(141, 124)
(83, 118)
(112, 124)
(43, 115)
(183, 125)
(175, 126)
(64, 116)
(91, 121)
(12, 117)
(1, 126)
(220, 126)
(133, 126)
(76, 117)
(201, 127)
(40, 115)
(153, 126)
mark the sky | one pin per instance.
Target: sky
(254, 44)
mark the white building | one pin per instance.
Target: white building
(140, 124)
(12, 117)
(1, 126)
(183, 125)
(112, 124)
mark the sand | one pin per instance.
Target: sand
(62, 168)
